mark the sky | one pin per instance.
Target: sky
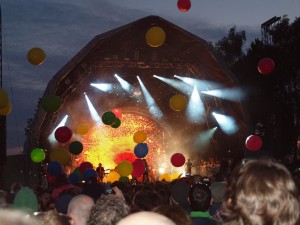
(63, 27)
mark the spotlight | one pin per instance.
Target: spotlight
(179, 85)
(95, 116)
(152, 106)
(161, 170)
(124, 84)
(201, 84)
(232, 94)
(195, 108)
(203, 139)
(105, 87)
(227, 123)
(51, 137)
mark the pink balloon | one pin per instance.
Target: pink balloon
(84, 166)
(138, 168)
(118, 113)
(184, 5)
(63, 134)
(253, 143)
(266, 66)
(177, 160)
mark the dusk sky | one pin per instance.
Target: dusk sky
(63, 27)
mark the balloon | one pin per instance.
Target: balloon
(266, 66)
(108, 118)
(88, 173)
(177, 159)
(141, 150)
(54, 168)
(51, 178)
(138, 168)
(76, 170)
(76, 147)
(165, 177)
(63, 134)
(124, 168)
(51, 103)
(123, 179)
(82, 129)
(139, 136)
(116, 123)
(178, 102)
(175, 176)
(113, 176)
(118, 113)
(6, 110)
(37, 155)
(3, 98)
(60, 155)
(155, 37)
(84, 166)
(36, 56)
(74, 178)
(253, 143)
(184, 5)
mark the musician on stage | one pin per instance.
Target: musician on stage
(146, 173)
(188, 166)
(100, 171)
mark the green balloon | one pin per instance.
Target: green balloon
(37, 155)
(124, 179)
(108, 118)
(51, 103)
(116, 123)
(76, 147)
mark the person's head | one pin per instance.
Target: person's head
(217, 191)
(52, 218)
(145, 200)
(108, 210)
(146, 218)
(175, 213)
(261, 192)
(200, 197)
(16, 217)
(79, 209)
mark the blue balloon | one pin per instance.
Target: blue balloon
(54, 168)
(88, 173)
(74, 178)
(141, 150)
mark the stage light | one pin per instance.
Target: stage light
(94, 114)
(51, 137)
(227, 123)
(195, 111)
(202, 140)
(178, 85)
(232, 94)
(161, 170)
(124, 84)
(152, 106)
(105, 87)
(202, 85)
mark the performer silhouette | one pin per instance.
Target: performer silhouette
(146, 173)
(189, 166)
(100, 171)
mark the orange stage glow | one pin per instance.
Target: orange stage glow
(111, 145)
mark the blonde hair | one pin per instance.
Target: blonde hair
(261, 192)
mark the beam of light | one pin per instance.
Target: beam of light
(179, 85)
(202, 85)
(195, 111)
(51, 137)
(124, 84)
(152, 106)
(232, 94)
(105, 87)
(95, 116)
(226, 123)
(203, 139)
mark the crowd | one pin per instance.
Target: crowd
(256, 192)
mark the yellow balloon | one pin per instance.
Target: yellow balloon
(124, 168)
(36, 56)
(3, 98)
(175, 176)
(60, 155)
(6, 110)
(178, 102)
(155, 37)
(82, 129)
(113, 176)
(139, 136)
(165, 177)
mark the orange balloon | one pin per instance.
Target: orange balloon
(60, 155)
(178, 102)
(6, 110)
(155, 37)
(139, 136)
(113, 176)
(165, 177)
(36, 56)
(3, 98)
(82, 129)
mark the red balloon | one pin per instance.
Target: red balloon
(118, 113)
(84, 166)
(266, 66)
(177, 160)
(184, 5)
(138, 168)
(63, 134)
(253, 143)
